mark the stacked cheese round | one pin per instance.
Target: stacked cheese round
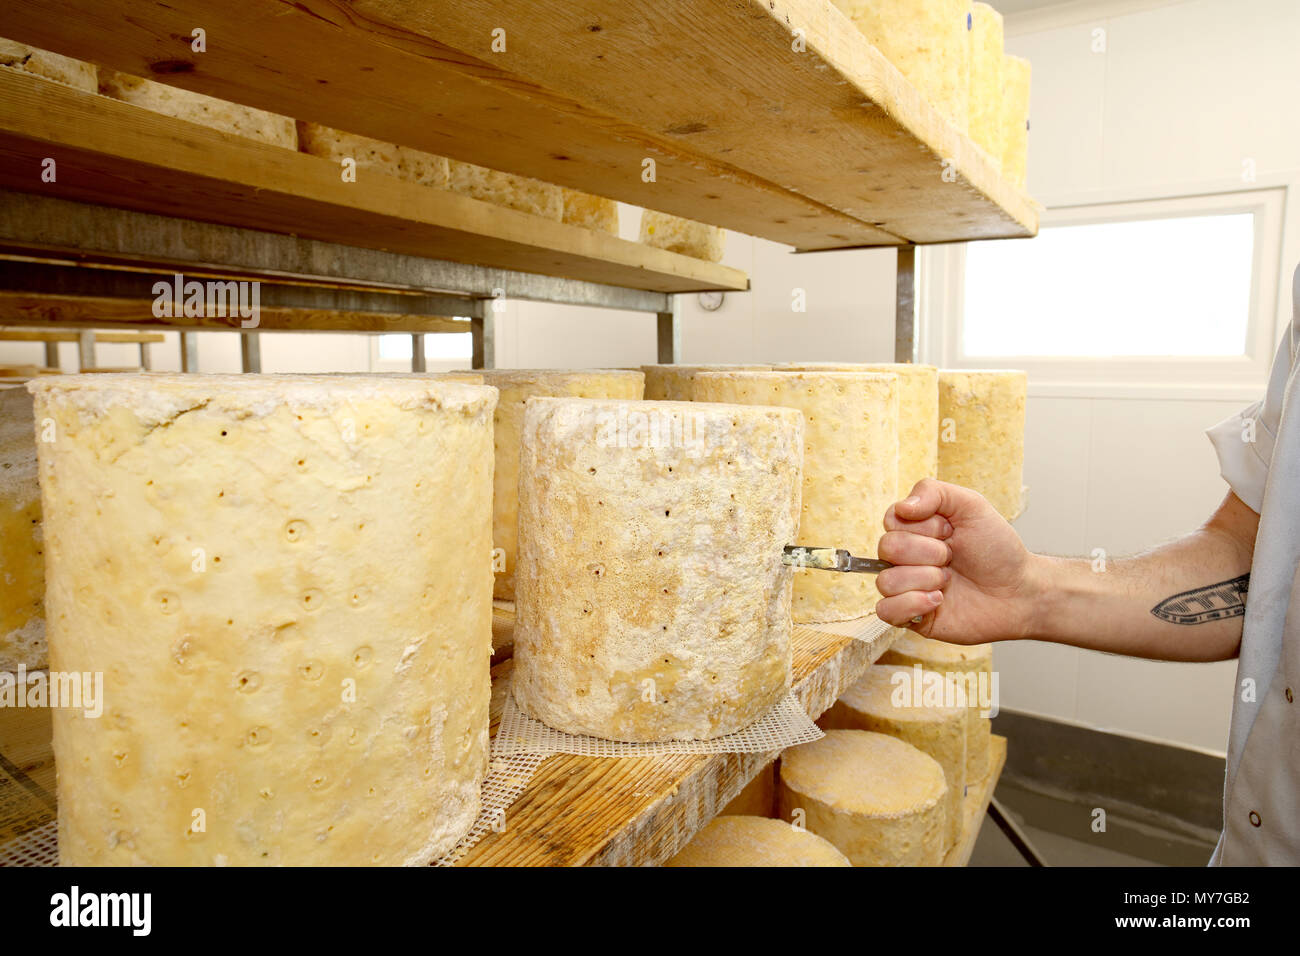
(22, 569)
(982, 434)
(200, 108)
(685, 236)
(516, 387)
(506, 189)
(652, 601)
(850, 471)
(969, 667)
(590, 212)
(401, 162)
(1015, 120)
(51, 66)
(889, 699)
(929, 42)
(222, 548)
(986, 126)
(676, 383)
(918, 415)
(881, 801)
(756, 841)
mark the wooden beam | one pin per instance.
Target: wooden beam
(121, 155)
(47, 335)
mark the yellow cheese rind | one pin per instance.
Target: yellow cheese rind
(651, 600)
(929, 42)
(199, 108)
(850, 471)
(1015, 120)
(401, 162)
(506, 189)
(590, 212)
(684, 236)
(983, 413)
(675, 383)
(516, 387)
(756, 841)
(884, 700)
(286, 584)
(918, 414)
(22, 569)
(881, 801)
(986, 124)
(51, 66)
(957, 660)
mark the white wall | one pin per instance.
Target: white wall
(1183, 95)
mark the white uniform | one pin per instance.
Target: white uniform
(1261, 801)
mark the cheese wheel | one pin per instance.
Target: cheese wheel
(918, 414)
(676, 383)
(964, 663)
(401, 162)
(888, 701)
(590, 212)
(22, 568)
(1015, 120)
(986, 124)
(516, 387)
(199, 108)
(51, 66)
(850, 471)
(506, 189)
(756, 841)
(285, 582)
(652, 601)
(982, 434)
(879, 800)
(929, 41)
(684, 236)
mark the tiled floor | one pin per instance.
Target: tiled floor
(1063, 833)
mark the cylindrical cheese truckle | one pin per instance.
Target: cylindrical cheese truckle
(982, 434)
(888, 701)
(918, 415)
(986, 125)
(652, 601)
(506, 189)
(22, 567)
(590, 212)
(1015, 120)
(685, 236)
(676, 383)
(970, 666)
(285, 582)
(756, 841)
(929, 42)
(850, 471)
(401, 162)
(52, 66)
(881, 801)
(517, 386)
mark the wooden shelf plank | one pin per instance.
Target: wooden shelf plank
(121, 155)
(821, 147)
(48, 335)
(637, 811)
(976, 804)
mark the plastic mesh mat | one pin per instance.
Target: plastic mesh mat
(38, 847)
(868, 628)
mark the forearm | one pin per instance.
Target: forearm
(1139, 606)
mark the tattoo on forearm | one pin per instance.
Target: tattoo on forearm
(1213, 602)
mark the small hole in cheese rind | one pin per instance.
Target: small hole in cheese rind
(312, 599)
(295, 531)
(168, 602)
(248, 682)
(311, 670)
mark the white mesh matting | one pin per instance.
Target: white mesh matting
(868, 628)
(39, 847)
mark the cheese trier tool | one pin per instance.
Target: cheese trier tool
(830, 559)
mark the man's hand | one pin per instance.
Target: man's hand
(959, 567)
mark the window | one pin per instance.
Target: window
(1155, 294)
(442, 351)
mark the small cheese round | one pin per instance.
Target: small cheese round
(971, 665)
(676, 383)
(850, 471)
(881, 801)
(590, 212)
(652, 603)
(389, 159)
(22, 566)
(51, 66)
(516, 387)
(285, 583)
(506, 189)
(756, 841)
(1015, 120)
(685, 236)
(889, 700)
(986, 127)
(982, 434)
